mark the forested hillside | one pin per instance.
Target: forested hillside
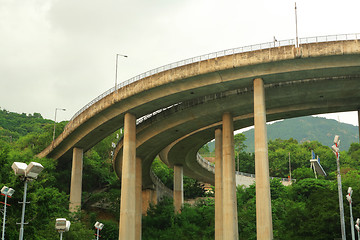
(308, 129)
(14, 125)
(296, 209)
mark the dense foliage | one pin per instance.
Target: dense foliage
(308, 209)
(21, 138)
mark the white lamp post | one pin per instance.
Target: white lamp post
(62, 225)
(348, 197)
(116, 68)
(98, 226)
(336, 150)
(62, 109)
(7, 192)
(357, 227)
(27, 173)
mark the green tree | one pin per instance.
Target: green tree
(239, 142)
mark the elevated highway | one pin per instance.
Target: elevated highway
(179, 109)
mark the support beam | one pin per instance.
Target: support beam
(178, 188)
(76, 180)
(148, 197)
(264, 228)
(218, 186)
(127, 225)
(230, 223)
(138, 197)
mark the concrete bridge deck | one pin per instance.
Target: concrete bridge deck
(313, 78)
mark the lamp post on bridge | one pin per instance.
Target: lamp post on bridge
(62, 109)
(116, 67)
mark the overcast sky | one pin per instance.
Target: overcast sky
(61, 53)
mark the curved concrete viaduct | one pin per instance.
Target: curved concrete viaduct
(211, 94)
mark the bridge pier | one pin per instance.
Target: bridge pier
(359, 122)
(230, 223)
(138, 198)
(129, 223)
(149, 196)
(218, 186)
(178, 188)
(76, 180)
(264, 228)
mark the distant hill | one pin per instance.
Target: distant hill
(14, 125)
(308, 129)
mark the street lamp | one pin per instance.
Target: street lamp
(116, 68)
(336, 150)
(98, 226)
(26, 173)
(62, 225)
(62, 109)
(348, 197)
(357, 227)
(7, 192)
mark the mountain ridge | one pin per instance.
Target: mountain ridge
(308, 128)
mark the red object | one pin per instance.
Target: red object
(6, 204)
(5, 195)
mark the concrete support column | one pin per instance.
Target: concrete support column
(264, 228)
(148, 197)
(138, 198)
(359, 123)
(218, 186)
(127, 226)
(178, 188)
(230, 223)
(76, 180)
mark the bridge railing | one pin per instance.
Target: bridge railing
(165, 191)
(222, 53)
(211, 167)
(330, 38)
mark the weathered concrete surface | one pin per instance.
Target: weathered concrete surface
(129, 206)
(219, 216)
(178, 188)
(229, 203)
(148, 197)
(76, 180)
(264, 227)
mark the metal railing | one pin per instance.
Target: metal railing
(222, 53)
(211, 167)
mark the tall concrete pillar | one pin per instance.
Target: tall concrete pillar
(127, 225)
(76, 180)
(264, 228)
(230, 223)
(218, 186)
(148, 197)
(178, 188)
(359, 123)
(138, 197)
